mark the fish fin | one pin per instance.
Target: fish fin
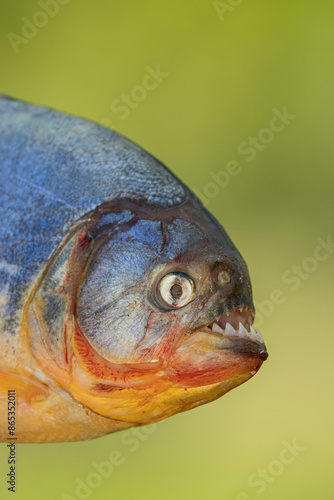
(26, 389)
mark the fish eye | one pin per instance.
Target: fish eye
(176, 289)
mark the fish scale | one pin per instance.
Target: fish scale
(54, 169)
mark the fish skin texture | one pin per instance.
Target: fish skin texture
(54, 169)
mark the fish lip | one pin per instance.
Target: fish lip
(245, 341)
(256, 350)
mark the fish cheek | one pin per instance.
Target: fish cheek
(112, 310)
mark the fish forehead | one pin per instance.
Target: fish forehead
(56, 149)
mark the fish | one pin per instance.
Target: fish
(123, 300)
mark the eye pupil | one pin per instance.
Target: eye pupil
(176, 291)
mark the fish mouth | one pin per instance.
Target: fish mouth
(226, 350)
(233, 331)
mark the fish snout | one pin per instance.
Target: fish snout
(221, 350)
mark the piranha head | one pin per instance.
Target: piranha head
(146, 312)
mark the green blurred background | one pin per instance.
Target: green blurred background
(226, 67)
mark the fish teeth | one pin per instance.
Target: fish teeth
(216, 328)
(259, 336)
(229, 330)
(242, 331)
(253, 335)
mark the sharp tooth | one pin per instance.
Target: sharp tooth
(242, 330)
(216, 328)
(229, 330)
(241, 309)
(206, 329)
(259, 336)
(227, 314)
(253, 335)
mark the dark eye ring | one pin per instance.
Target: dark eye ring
(176, 289)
